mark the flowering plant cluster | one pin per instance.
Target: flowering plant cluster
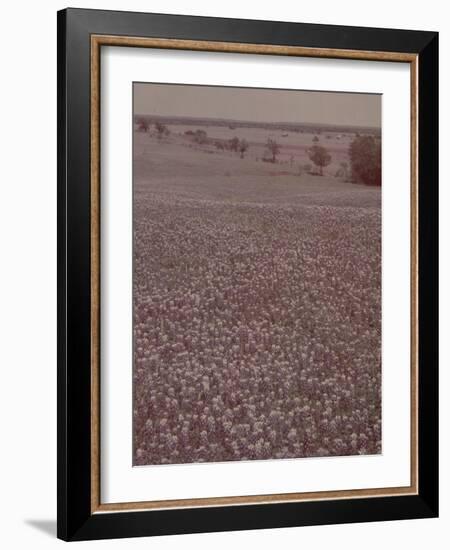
(257, 329)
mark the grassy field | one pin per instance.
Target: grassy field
(257, 304)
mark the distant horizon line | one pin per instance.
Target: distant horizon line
(258, 123)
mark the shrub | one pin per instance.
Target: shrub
(342, 171)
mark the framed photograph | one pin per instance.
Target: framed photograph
(247, 255)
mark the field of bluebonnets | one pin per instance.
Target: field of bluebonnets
(257, 307)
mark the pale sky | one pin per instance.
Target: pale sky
(258, 105)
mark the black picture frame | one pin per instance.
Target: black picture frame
(75, 518)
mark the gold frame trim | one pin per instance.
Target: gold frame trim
(127, 41)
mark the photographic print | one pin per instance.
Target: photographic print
(256, 274)
(247, 274)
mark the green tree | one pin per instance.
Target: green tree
(242, 147)
(143, 124)
(320, 156)
(161, 129)
(365, 160)
(234, 144)
(273, 148)
(200, 136)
